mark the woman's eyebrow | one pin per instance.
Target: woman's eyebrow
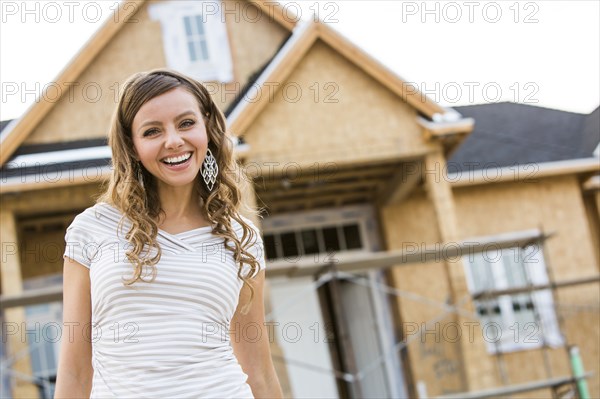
(177, 117)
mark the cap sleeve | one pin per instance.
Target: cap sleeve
(81, 245)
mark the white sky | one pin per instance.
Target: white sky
(545, 53)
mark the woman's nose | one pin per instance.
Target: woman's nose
(173, 139)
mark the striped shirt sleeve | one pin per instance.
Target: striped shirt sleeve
(81, 246)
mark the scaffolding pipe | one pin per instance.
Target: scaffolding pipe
(579, 373)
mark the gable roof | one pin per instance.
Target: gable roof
(508, 134)
(303, 37)
(14, 133)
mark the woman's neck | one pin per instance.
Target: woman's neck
(179, 203)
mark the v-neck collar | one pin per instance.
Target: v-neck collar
(187, 232)
(189, 240)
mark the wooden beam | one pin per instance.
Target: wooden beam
(355, 262)
(592, 183)
(272, 181)
(10, 263)
(402, 184)
(322, 189)
(66, 179)
(62, 199)
(512, 291)
(442, 199)
(514, 389)
(343, 262)
(309, 202)
(14, 318)
(32, 297)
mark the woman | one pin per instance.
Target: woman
(163, 279)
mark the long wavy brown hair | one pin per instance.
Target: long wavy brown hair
(133, 190)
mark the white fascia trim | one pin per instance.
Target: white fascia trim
(449, 115)
(61, 156)
(521, 172)
(55, 179)
(458, 124)
(262, 79)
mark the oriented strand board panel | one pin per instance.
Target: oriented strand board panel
(85, 110)
(410, 226)
(329, 110)
(556, 205)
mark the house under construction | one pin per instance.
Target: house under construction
(413, 250)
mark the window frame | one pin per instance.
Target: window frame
(196, 37)
(516, 333)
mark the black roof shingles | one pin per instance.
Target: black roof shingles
(508, 134)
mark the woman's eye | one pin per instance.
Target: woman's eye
(150, 132)
(187, 123)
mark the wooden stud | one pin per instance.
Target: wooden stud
(441, 197)
(402, 184)
(12, 284)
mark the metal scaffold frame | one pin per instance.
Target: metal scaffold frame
(344, 267)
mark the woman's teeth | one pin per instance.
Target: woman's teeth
(177, 160)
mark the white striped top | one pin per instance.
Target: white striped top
(168, 338)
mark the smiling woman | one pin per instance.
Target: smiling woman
(173, 209)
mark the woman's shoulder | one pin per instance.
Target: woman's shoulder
(238, 227)
(97, 216)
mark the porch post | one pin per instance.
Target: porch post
(440, 194)
(14, 318)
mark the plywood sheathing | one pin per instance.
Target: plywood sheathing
(361, 121)
(555, 205)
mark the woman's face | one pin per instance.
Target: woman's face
(169, 137)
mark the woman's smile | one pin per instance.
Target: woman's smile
(177, 163)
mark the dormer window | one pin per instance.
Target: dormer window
(195, 39)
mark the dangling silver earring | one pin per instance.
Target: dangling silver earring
(210, 170)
